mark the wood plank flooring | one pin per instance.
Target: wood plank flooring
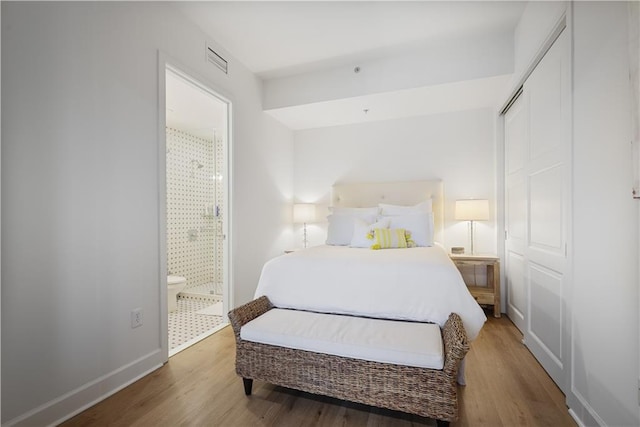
(199, 387)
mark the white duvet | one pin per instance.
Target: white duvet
(419, 284)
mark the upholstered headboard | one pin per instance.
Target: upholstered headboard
(366, 194)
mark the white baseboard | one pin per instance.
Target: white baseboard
(576, 418)
(582, 412)
(66, 406)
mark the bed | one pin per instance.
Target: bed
(419, 284)
(411, 285)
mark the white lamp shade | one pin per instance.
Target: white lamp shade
(472, 210)
(304, 212)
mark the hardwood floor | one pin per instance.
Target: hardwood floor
(199, 387)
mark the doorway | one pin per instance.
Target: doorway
(196, 160)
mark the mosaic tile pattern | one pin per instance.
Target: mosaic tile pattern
(185, 325)
(194, 225)
(220, 158)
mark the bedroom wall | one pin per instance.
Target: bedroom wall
(605, 298)
(538, 20)
(603, 377)
(80, 195)
(458, 148)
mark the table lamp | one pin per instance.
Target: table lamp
(302, 214)
(472, 210)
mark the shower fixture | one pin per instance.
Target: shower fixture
(196, 164)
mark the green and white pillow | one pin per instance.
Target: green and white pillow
(388, 238)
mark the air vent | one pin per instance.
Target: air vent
(217, 60)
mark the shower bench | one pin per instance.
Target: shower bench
(424, 391)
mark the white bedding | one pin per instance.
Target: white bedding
(419, 284)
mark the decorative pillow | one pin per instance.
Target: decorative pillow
(419, 225)
(362, 229)
(387, 238)
(340, 230)
(354, 211)
(392, 210)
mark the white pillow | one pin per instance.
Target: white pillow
(354, 211)
(361, 228)
(419, 224)
(422, 207)
(340, 230)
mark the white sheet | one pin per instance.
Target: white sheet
(419, 284)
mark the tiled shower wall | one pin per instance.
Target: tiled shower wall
(194, 188)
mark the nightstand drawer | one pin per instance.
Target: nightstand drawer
(484, 297)
(470, 263)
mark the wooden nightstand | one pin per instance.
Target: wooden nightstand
(485, 293)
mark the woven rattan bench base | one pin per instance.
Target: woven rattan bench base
(421, 391)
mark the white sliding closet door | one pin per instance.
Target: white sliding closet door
(537, 141)
(516, 134)
(548, 179)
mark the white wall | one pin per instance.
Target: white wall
(458, 148)
(605, 297)
(603, 304)
(80, 197)
(537, 22)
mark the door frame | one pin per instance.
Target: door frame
(167, 63)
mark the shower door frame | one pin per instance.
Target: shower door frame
(167, 63)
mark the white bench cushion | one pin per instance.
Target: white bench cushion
(385, 341)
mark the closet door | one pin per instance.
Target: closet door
(548, 180)
(537, 141)
(516, 135)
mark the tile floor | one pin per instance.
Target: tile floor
(186, 327)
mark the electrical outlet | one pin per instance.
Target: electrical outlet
(136, 317)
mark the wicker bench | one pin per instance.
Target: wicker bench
(426, 392)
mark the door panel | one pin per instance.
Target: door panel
(537, 191)
(546, 211)
(546, 308)
(517, 211)
(515, 131)
(516, 146)
(545, 104)
(516, 289)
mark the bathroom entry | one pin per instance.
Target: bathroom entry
(197, 140)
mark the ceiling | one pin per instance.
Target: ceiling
(437, 99)
(303, 35)
(279, 39)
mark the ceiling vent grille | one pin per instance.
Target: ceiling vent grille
(217, 60)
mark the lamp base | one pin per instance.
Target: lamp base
(471, 227)
(304, 239)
